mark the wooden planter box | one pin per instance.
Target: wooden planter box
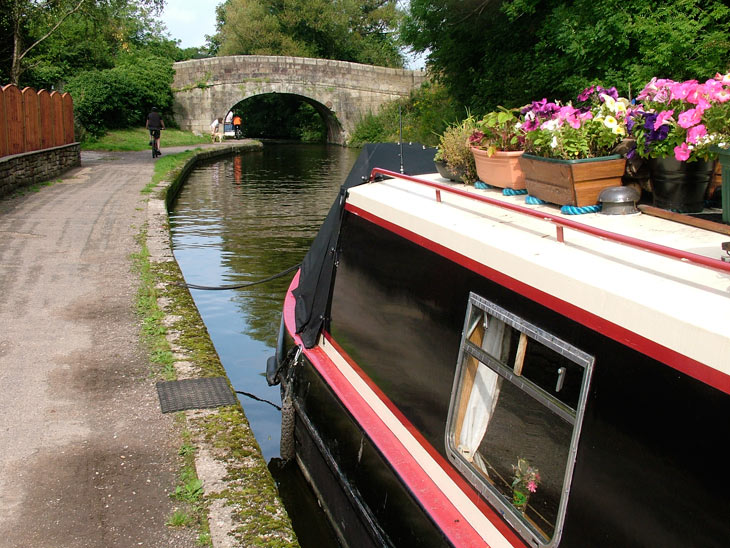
(502, 169)
(571, 182)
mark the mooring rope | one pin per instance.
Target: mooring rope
(252, 396)
(239, 286)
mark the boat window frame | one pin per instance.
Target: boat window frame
(564, 411)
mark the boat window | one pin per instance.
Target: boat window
(515, 417)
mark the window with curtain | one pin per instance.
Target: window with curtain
(515, 415)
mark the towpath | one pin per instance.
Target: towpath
(86, 456)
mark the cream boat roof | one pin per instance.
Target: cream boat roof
(682, 306)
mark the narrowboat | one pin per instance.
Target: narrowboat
(461, 369)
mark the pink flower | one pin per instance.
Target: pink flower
(724, 78)
(721, 95)
(696, 132)
(532, 486)
(682, 90)
(690, 118)
(662, 118)
(681, 153)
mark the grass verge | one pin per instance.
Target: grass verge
(191, 509)
(166, 166)
(138, 139)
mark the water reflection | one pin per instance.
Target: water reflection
(241, 219)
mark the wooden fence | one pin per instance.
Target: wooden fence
(31, 120)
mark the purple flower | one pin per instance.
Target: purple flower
(611, 92)
(649, 121)
(586, 93)
(630, 122)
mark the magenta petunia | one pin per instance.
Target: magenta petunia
(682, 152)
(690, 118)
(662, 118)
(696, 132)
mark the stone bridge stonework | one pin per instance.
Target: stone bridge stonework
(340, 91)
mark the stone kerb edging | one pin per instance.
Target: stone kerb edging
(228, 460)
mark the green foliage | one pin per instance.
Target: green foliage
(516, 51)
(499, 130)
(425, 114)
(347, 30)
(122, 96)
(281, 116)
(454, 149)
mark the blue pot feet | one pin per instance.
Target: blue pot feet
(574, 210)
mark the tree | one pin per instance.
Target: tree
(123, 95)
(33, 22)
(347, 30)
(509, 52)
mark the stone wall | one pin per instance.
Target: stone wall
(342, 92)
(28, 168)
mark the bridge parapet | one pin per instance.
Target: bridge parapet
(342, 92)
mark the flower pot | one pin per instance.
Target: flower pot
(680, 186)
(723, 157)
(520, 498)
(571, 182)
(502, 169)
(446, 172)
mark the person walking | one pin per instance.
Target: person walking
(155, 124)
(215, 130)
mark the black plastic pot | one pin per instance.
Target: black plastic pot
(680, 186)
(446, 172)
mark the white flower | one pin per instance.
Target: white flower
(554, 142)
(621, 105)
(610, 122)
(609, 101)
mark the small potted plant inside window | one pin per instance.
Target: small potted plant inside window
(497, 145)
(454, 159)
(569, 149)
(526, 481)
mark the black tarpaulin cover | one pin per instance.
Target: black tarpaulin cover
(315, 278)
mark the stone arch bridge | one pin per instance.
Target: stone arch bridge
(341, 92)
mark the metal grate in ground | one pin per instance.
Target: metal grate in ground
(195, 394)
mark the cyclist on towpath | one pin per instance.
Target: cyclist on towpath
(154, 124)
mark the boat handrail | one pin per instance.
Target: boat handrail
(561, 222)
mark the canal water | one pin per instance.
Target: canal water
(241, 219)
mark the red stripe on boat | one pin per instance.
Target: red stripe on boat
(440, 509)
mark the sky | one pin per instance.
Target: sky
(190, 20)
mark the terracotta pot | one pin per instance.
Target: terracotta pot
(502, 169)
(571, 182)
(680, 186)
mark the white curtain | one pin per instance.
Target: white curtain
(483, 397)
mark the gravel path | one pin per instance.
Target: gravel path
(86, 457)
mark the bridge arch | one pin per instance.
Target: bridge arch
(340, 91)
